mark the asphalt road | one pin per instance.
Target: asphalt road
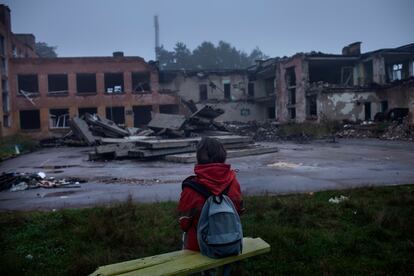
(296, 168)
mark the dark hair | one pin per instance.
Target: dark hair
(210, 150)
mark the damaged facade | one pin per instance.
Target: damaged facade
(40, 95)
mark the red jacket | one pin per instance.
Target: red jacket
(216, 177)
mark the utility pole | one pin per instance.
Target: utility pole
(157, 37)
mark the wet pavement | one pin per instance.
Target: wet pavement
(296, 168)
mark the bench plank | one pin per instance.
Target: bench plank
(181, 262)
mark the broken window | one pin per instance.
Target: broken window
(227, 91)
(290, 76)
(28, 84)
(411, 69)
(6, 121)
(397, 71)
(368, 73)
(116, 114)
(250, 89)
(203, 92)
(270, 86)
(2, 49)
(58, 84)
(86, 83)
(141, 82)
(59, 118)
(142, 115)
(311, 107)
(347, 75)
(271, 113)
(384, 106)
(292, 113)
(5, 95)
(367, 109)
(29, 119)
(3, 66)
(169, 109)
(114, 82)
(90, 110)
(292, 96)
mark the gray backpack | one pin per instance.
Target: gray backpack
(219, 229)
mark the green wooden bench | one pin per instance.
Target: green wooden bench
(181, 262)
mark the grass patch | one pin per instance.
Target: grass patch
(7, 145)
(371, 233)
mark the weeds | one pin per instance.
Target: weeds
(371, 233)
(8, 145)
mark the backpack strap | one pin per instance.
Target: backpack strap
(201, 189)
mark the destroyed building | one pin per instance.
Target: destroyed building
(40, 95)
(229, 90)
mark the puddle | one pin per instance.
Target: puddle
(60, 194)
(54, 171)
(55, 167)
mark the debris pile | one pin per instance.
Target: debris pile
(16, 181)
(259, 131)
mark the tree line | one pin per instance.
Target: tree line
(207, 56)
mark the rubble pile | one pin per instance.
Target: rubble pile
(165, 135)
(16, 181)
(259, 131)
(397, 131)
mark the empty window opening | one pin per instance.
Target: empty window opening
(114, 82)
(292, 113)
(411, 69)
(59, 118)
(311, 106)
(58, 83)
(3, 66)
(368, 73)
(270, 86)
(116, 114)
(203, 92)
(169, 109)
(28, 84)
(292, 96)
(397, 71)
(90, 110)
(250, 89)
(347, 75)
(142, 115)
(6, 121)
(227, 91)
(30, 119)
(86, 83)
(5, 96)
(290, 76)
(271, 112)
(367, 108)
(141, 82)
(2, 49)
(384, 106)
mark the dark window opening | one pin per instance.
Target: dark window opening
(142, 115)
(169, 109)
(250, 89)
(59, 118)
(270, 86)
(203, 92)
(116, 114)
(114, 82)
(86, 83)
(271, 112)
(367, 108)
(2, 49)
(292, 113)
(396, 72)
(28, 84)
(3, 66)
(6, 121)
(30, 119)
(227, 91)
(290, 76)
(292, 96)
(384, 106)
(141, 82)
(58, 83)
(368, 73)
(5, 96)
(90, 110)
(311, 107)
(347, 75)
(332, 71)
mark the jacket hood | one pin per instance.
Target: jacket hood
(215, 176)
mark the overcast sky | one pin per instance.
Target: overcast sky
(278, 28)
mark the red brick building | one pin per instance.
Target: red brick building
(40, 95)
